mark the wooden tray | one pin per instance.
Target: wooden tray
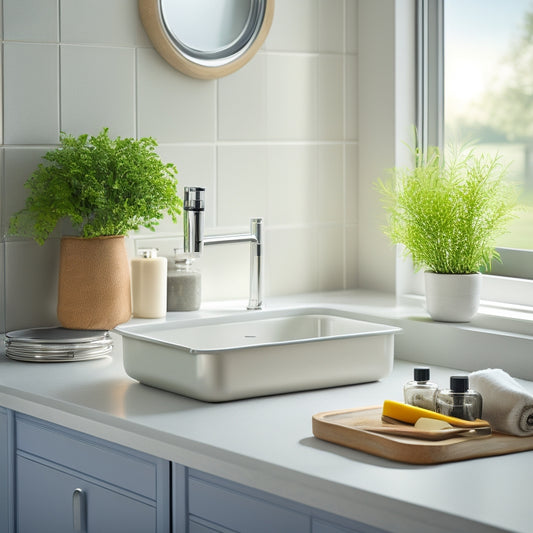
(345, 428)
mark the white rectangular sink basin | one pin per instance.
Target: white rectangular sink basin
(259, 353)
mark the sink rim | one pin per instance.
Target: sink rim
(145, 331)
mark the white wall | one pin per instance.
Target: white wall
(278, 139)
(387, 110)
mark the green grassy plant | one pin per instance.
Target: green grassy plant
(448, 212)
(103, 186)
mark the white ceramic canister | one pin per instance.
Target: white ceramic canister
(149, 284)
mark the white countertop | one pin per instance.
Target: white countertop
(267, 443)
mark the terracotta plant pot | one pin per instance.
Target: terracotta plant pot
(94, 283)
(452, 297)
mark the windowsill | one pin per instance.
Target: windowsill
(495, 316)
(499, 336)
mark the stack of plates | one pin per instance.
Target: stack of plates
(57, 344)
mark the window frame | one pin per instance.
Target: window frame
(511, 281)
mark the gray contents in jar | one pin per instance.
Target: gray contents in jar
(184, 290)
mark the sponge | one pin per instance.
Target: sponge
(410, 414)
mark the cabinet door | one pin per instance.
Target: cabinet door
(54, 501)
(321, 526)
(6, 501)
(215, 505)
(69, 481)
(195, 527)
(226, 508)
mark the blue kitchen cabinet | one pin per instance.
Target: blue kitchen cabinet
(6, 478)
(216, 505)
(70, 482)
(66, 481)
(224, 506)
(323, 526)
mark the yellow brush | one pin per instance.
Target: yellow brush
(410, 414)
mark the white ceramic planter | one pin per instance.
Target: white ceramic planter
(452, 297)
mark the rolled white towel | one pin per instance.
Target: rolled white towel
(506, 404)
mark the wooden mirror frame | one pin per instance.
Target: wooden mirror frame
(151, 18)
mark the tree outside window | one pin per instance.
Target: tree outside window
(489, 90)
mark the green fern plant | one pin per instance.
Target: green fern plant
(103, 186)
(449, 212)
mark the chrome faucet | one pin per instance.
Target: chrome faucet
(194, 240)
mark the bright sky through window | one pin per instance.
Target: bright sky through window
(489, 90)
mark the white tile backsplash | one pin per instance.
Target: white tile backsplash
(226, 271)
(31, 20)
(295, 27)
(31, 93)
(350, 107)
(331, 97)
(2, 287)
(292, 96)
(330, 245)
(330, 183)
(19, 165)
(292, 184)
(31, 284)
(331, 26)
(242, 103)
(351, 243)
(276, 139)
(114, 22)
(242, 185)
(350, 22)
(172, 107)
(291, 262)
(350, 173)
(97, 90)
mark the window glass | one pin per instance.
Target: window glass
(488, 92)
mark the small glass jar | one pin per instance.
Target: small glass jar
(459, 400)
(184, 284)
(420, 392)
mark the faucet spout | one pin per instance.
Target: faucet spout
(193, 220)
(255, 238)
(194, 240)
(256, 265)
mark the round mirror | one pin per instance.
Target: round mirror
(207, 38)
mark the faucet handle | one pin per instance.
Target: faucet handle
(194, 199)
(256, 229)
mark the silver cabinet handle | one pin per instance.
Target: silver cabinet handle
(78, 511)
